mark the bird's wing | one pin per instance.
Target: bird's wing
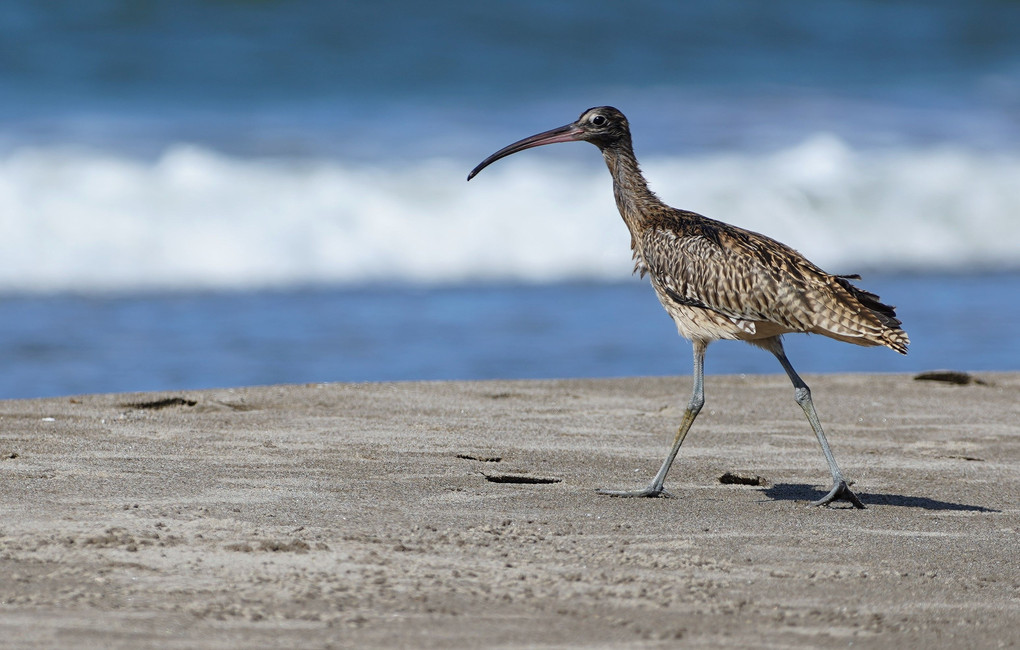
(748, 277)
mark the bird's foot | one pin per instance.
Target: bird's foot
(840, 492)
(650, 491)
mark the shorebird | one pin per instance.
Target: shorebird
(719, 281)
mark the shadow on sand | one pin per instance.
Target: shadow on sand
(804, 492)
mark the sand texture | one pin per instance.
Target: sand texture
(464, 515)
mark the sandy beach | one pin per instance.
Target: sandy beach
(464, 515)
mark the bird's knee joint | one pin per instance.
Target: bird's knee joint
(696, 403)
(802, 395)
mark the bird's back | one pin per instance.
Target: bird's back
(721, 281)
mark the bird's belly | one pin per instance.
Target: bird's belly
(700, 324)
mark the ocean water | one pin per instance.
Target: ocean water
(198, 193)
(68, 344)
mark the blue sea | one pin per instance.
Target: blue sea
(211, 193)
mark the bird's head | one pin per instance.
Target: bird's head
(603, 126)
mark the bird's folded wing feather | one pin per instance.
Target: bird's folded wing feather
(746, 277)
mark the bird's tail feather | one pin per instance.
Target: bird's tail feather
(892, 335)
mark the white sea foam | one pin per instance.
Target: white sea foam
(75, 219)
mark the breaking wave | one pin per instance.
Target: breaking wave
(76, 219)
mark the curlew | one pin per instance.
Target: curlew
(719, 281)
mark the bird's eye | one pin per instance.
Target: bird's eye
(598, 120)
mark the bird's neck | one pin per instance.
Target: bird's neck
(637, 203)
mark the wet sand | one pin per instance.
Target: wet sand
(464, 515)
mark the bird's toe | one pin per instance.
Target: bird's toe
(651, 491)
(840, 492)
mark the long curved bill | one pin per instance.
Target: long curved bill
(568, 133)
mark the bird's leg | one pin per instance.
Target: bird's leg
(697, 401)
(840, 490)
